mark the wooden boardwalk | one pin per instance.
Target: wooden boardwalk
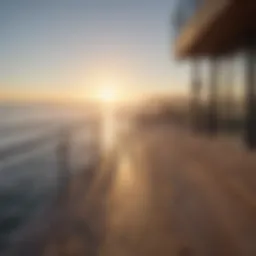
(162, 192)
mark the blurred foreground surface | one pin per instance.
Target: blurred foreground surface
(162, 191)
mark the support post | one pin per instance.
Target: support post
(213, 99)
(195, 104)
(229, 97)
(250, 100)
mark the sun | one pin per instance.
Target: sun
(107, 94)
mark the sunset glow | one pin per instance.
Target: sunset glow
(107, 94)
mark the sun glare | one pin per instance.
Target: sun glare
(107, 94)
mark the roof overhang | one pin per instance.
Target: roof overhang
(218, 28)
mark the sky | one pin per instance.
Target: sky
(64, 47)
(74, 48)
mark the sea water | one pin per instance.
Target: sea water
(29, 180)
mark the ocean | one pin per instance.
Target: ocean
(29, 179)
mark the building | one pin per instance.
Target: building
(218, 29)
